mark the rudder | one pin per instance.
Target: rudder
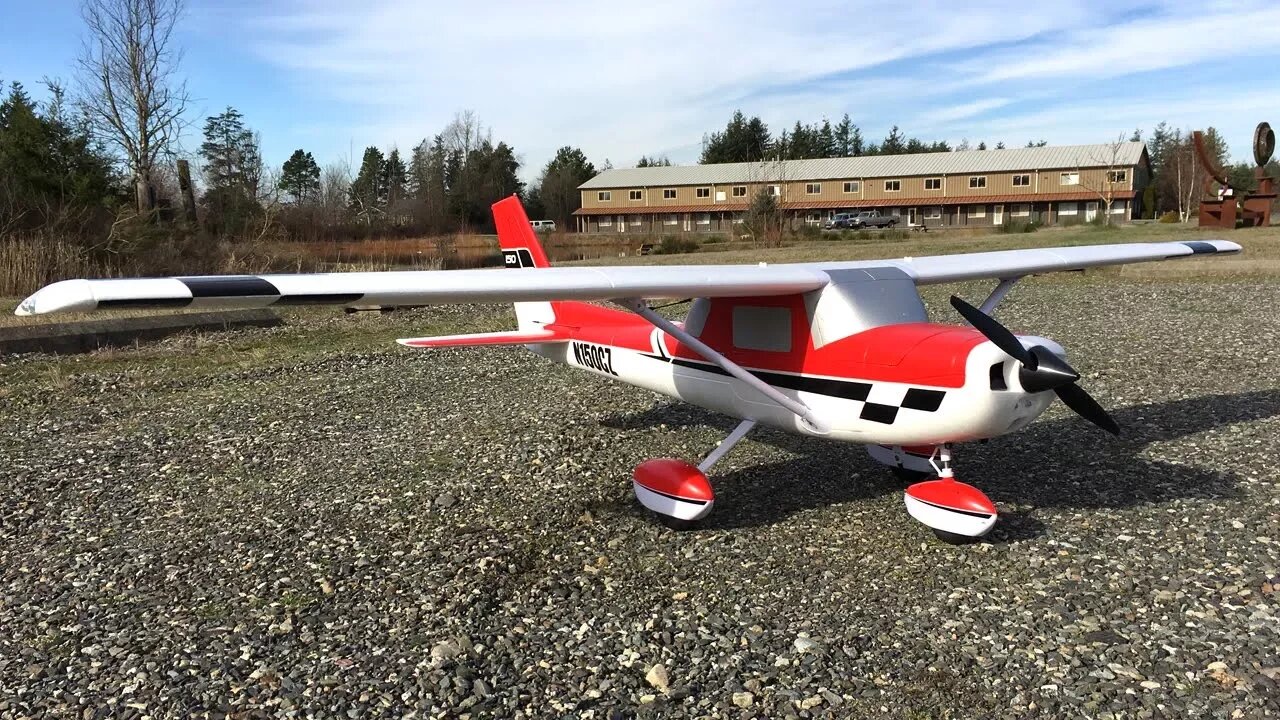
(522, 250)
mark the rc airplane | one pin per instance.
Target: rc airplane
(837, 350)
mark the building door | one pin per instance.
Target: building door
(997, 215)
(622, 223)
(1090, 211)
(688, 223)
(913, 217)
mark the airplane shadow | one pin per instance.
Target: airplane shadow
(1062, 463)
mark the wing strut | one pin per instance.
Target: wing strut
(1006, 284)
(804, 412)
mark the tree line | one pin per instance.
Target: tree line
(746, 139)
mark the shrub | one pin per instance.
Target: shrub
(1072, 221)
(1015, 227)
(713, 239)
(1170, 217)
(809, 231)
(675, 245)
(894, 234)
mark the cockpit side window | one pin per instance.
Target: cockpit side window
(762, 328)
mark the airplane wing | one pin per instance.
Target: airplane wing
(1014, 263)
(368, 289)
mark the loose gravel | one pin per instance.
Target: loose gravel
(378, 532)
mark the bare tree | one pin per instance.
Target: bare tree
(128, 86)
(334, 183)
(1116, 174)
(765, 219)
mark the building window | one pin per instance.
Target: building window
(977, 211)
(1069, 178)
(775, 190)
(812, 218)
(739, 190)
(813, 189)
(1020, 210)
(892, 185)
(739, 218)
(1117, 207)
(636, 221)
(1117, 176)
(1021, 180)
(604, 196)
(671, 219)
(635, 195)
(704, 193)
(933, 213)
(704, 218)
(933, 183)
(1068, 209)
(669, 194)
(606, 221)
(851, 186)
(977, 181)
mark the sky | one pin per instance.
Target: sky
(622, 80)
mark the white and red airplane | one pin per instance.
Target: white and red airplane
(839, 350)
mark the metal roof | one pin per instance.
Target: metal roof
(852, 204)
(874, 166)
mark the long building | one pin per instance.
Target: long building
(1046, 185)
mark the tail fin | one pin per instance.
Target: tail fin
(521, 249)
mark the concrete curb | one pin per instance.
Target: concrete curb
(84, 336)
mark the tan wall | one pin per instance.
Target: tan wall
(1045, 181)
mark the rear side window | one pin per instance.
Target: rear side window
(762, 328)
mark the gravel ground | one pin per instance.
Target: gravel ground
(218, 528)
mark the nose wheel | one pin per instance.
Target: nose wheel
(956, 512)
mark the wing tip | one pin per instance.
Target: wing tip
(63, 296)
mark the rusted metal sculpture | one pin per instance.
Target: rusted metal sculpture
(1224, 209)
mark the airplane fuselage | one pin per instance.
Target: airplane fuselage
(935, 384)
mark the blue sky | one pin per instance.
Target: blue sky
(624, 79)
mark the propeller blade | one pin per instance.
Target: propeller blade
(998, 334)
(1075, 397)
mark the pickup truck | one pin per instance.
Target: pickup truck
(872, 218)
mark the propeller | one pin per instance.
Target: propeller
(1041, 369)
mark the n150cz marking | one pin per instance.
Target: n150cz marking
(594, 357)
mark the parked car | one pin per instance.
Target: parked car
(872, 218)
(543, 225)
(839, 221)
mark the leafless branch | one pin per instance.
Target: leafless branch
(128, 85)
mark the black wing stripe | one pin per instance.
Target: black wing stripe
(319, 299)
(230, 286)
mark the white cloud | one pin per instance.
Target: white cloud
(623, 79)
(1186, 37)
(618, 79)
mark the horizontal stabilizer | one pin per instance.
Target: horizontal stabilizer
(506, 337)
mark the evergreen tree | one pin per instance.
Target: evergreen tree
(232, 170)
(655, 161)
(300, 177)
(230, 152)
(367, 191)
(51, 170)
(982, 145)
(742, 140)
(558, 183)
(826, 145)
(394, 181)
(893, 144)
(844, 137)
